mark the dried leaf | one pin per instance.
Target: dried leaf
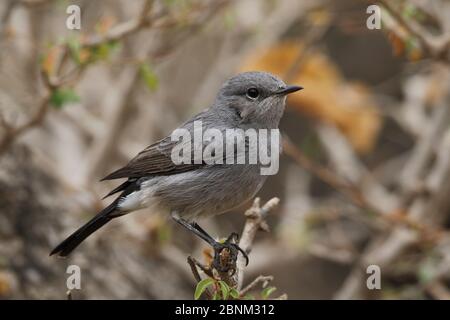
(5, 285)
(397, 43)
(50, 59)
(105, 24)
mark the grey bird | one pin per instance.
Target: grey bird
(189, 191)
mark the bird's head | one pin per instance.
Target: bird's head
(257, 98)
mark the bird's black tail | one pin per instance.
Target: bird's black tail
(103, 217)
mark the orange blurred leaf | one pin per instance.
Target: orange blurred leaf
(105, 24)
(398, 46)
(327, 97)
(5, 285)
(50, 60)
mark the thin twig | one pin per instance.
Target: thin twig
(124, 29)
(436, 47)
(256, 216)
(194, 264)
(255, 221)
(118, 32)
(12, 133)
(354, 194)
(194, 270)
(438, 290)
(260, 279)
(311, 38)
(53, 82)
(385, 248)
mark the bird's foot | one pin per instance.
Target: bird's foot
(225, 254)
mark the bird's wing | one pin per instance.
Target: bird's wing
(153, 160)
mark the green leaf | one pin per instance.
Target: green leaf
(62, 96)
(426, 271)
(215, 295)
(225, 289)
(177, 3)
(149, 76)
(201, 287)
(234, 293)
(63, 4)
(170, 2)
(75, 48)
(411, 44)
(267, 292)
(249, 297)
(410, 11)
(229, 19)
(164, 234)
(311, 146)
(103, 51)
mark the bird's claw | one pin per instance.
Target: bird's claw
(225, 260)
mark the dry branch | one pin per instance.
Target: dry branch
(53, 82)
(265, 280)
(256, 216)
(255, 221)
(436, 47)
(12, 133)
(146, 19)
(356, 196)
(413, 206)
(125, 29)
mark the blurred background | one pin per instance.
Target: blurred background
(364, 176)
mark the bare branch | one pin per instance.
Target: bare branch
(125, 29)
(255, 221)
(436, 47)
(120, 31)
(259, 279)
(354, 194)
(11, 134)
(192, 263)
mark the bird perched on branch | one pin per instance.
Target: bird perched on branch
(188, 190)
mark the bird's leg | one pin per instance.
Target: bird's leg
(229, 243)
(195, 228)
(220, 255)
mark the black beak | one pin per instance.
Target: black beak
(288, 89)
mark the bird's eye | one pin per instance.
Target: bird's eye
(252, 93)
